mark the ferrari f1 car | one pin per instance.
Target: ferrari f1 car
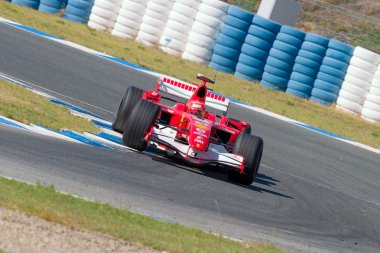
(187, 130)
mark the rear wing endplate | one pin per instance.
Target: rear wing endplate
(185, 90)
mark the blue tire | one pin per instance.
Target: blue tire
(342, 47)
(233, 33)
(74, 11)
(85, 5)
(287, 48)
(240, 13)
(27, 3)
(253, 51)
(221, 68)
(298, 77)
(251, 61)
(323, 97)
(300, 87)
(317, 39)
(330, 79)
(281, 55)
(276, 71)
(269, 85)
(314, 48)
(226, 52)
(266, 24)
(308, 63)
(288, 39)
(57, 4)
(223, 61)
(337, 55)
(246, 77)
(310, 55)
(319, 84)
(305, 70)
(254, 73)
(258, 43)
(278, 81)
(285, 66)
(297, 93)
(48, 9)
(342, 66)
(332, 71)
(262, 33)
(293, 32)
(228, 41)
(237, 23)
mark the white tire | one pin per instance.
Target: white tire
(370, 115)
(349, 105)
(122, 35)
(129, 15)
(360, 73)
(184, 10)
(197, 51)
(159, 8)
(358, 91)
(172, 34)
(106, 14)
(125, 30)
(367, 55)
(101, 21)
(97, 26)
(214, 12)
(217, 4)
(356, 81)
(201, 40)
(375, 91)
(146, 38)
(191, 3)
(171, 51)
(132, 24)
(174, 25)
(147, 20)
(209, 21)
(150, 30)
(134, 7)
(351, 97)
(376, 82)
(173, 44)
(181, 18)
(195, 59)
(373, 99)
(377, 74)
(204, 30)
(363, 64)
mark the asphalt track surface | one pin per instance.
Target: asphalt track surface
(312, 193)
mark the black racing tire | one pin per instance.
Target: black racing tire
(130, 98)
(251, 148)
(142, 118)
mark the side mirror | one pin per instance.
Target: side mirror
(205, 79)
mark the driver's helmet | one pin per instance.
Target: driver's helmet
(197, 108)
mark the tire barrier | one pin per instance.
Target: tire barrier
(154, 21)
(357, 82)
(231, 37)
(282, 55)
(129, 19)
(27, 3)
(104, 14)
(307, 64)
(205, 30)
(178, 27)
(332, 72)
(78, 10)
(371, 107)
(50, 6)
(256, 47)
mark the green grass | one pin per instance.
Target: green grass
(46, 203)
(27, 107)
(326, 118)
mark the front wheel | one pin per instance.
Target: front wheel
(139, 123)
(251, 148)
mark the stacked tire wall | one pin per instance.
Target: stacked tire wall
(27, 3)
(129, 19)
(307, 65)
(256, 47)
(371, 107)
(178, 27)
(357, 82)
(154, 21)
(50, 6)
(228, 44)
(205, 30)
(332, 72)
(282, 55)
(104, 14)
(78, 10)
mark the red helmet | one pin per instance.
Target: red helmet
(197, 108)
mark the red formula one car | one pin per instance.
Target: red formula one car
(186, 130)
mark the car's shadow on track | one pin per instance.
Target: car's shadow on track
(220, 173)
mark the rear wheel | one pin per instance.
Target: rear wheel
(139, 123)
(251, 148)
(131, 96)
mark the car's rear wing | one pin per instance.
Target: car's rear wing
(185, 90)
